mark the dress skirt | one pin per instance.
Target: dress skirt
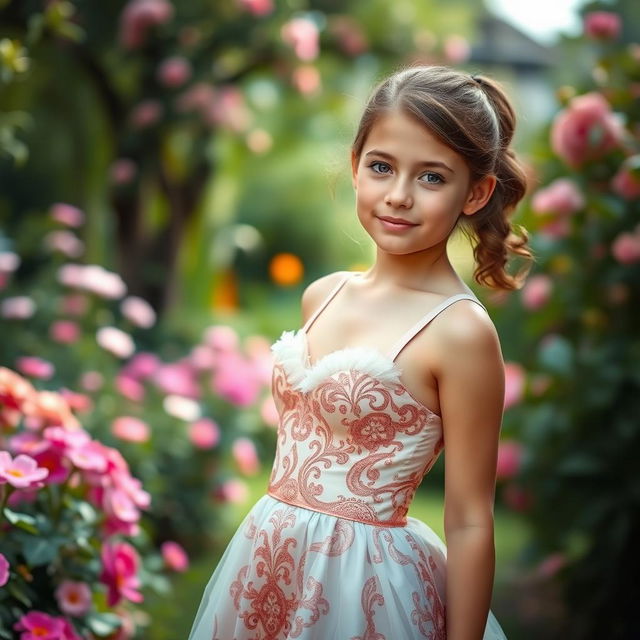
(290, 572)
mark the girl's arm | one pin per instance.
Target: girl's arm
(471, 390)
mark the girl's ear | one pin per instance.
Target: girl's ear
(479, 194)
(354, 168)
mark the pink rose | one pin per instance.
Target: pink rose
(302, 34)
(626, 183)
(561, 196)
(204, 433)
(510, 455)
(174, 72)
(585, 130)
(130, 429)
(514, 384)
(536, 292)
(74, 598)
(602, 25)
(626, 248)
(174, 556)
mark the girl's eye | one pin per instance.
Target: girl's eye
(380, 167)
(432, 178)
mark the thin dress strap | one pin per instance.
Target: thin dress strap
(327, 300)
(404, 340)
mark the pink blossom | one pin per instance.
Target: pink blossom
(199, 97)
(177, 379)
(118, 505)
(536, 292)
(74, 598)
(21, 472)
(146, 113)
(221, 338)
(514, 384)
(269, 413)
(91, 380)
(143, 365)
(202, 357)
(37, 625)
(66, 439)
(130, 388)
(235, 380)
(350, 35)
(561, 196)
(181, 407)
(626, 248)
(68, 631)
(302, 34)
(116, 341)
(4, 570)
(510, 455)
(75, 304)
(120, 563)
(554, 229)
(174, 556)
(585, 130)
(138, 17)
(67, 214)
(306, 79)
(17, 308)
(602, 25)
(174, 72)
(551, 565)
(138, 311)
(229, 110)
(93, 278)
(257, 7)
(28, 443)
(89, 457)
(204, 433)
(65, 242)
(122, 171)
(9, 261)
(35, 367)
(456, 49)
(65, 331)
(246, 457)
(626, 184)
(234, 490)
(53, 461)
(130, 429)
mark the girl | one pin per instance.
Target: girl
(372, 387)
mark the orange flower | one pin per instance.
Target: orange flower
(286, 269)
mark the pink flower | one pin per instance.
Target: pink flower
(120, 563)
(245, 455)
(510, 455)
(351, 37)
(626, 248)
(65, 331)
(138, 311)
(9, 261)
(204, 433)
(182, 408)
(259, 141)
(35, 367)
(4, 570)
(536, 292)
(551, 565)
(130, 429)
(89, 457)
(558, 228)
(602, 25)
(199, 97)
(75, 304)
(54, 462)
(67, 214)
(118, 505)
(177, 379)
(74, 598)
(269, 413)
(302, 34)
(130, 388)
(221, 338)
(17, 308)
(626, 183)
(235, 380)
(174, 556)
(138, 17)
(122, 171)
(65, 242)
(116, 341)
(229, 110)
(91, 380)
(37, 625)
(257, 7)
(68, 632)
(93, 278)
(146, 113)
(234, 490)
(456, 49)
(174, 72)
(143, 365)
(28, 443)
(306, 79)
(585, 130)
(21, 472)
(514, 384)
(561, 196)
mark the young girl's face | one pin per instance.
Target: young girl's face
(410, 187)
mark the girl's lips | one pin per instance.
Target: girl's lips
(395, 226)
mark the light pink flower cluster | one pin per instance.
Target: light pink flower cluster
(94, 279)
(174, 556)
(536, 292)
(37, 625)
(138, 17)
(303, 36)
(67, 214)
(626, 247)
(586, 130)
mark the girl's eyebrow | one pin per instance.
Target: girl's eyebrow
(423, 163)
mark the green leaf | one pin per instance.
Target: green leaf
(20, 594)
(41, 550)
(103, 624)
(21, 520)
(580, 464)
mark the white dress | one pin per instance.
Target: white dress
(329, 552)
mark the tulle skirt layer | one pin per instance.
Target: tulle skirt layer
(290, 572)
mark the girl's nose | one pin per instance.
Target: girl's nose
(399, 195)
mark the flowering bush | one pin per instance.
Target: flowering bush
(172, 418)
(73, 555)
(574, 471)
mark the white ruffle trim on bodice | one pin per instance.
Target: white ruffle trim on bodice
(290, 350)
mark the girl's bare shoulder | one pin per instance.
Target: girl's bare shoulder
(317, 291)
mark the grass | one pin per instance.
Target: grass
(171, 616)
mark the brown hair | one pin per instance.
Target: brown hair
(473, 116)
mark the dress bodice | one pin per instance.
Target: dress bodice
(352, 440)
